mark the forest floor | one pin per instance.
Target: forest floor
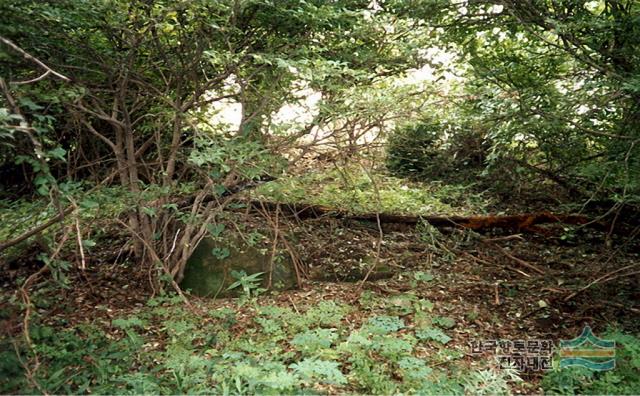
(398, 311)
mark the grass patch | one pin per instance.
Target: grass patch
(358, 191)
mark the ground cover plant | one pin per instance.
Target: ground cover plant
(254, 348)
(312, 197)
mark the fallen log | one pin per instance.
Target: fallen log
(521, 223)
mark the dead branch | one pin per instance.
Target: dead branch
(298, 266)
(485, 262)
(34, 231)
(517, 260)
(524, 223)
(380, 233)
(505, 238)
(28, 306)
(157, 259)
(33, 59)
(609, 276)
(54, 220)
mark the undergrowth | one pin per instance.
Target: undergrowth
(260, 349)
(97, 207)
(378, 345)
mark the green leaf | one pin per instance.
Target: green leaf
(89, 204)
(29, 104)
(41, 180)
(384, 324)
(314, 340)
(171, 206)
(220, 253)
(128, 323)
(43, 190)
(323, 371)
(432, 334)
(219, 189)
(58, 153)
(444, 322)
(215, 229)
(149, 211)
(413, 368)
(88, 243)
(422, 276)
(253, 277)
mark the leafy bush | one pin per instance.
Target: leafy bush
(433, 149)
(327, 313)
(432, 334)
(413, 150)
(393, 348)
(353, 189)
(413, 369)
(490, 382)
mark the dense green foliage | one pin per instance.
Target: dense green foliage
(435, 150)
(357, 191)
(554, 86)
(545, 91)
(127, 91)
(129, 129)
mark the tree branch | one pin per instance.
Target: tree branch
(33, 59)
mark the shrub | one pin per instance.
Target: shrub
(433, 149)
(414, 150)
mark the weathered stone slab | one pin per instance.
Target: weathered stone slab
(209, 273)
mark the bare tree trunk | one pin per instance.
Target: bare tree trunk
(173, 150)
